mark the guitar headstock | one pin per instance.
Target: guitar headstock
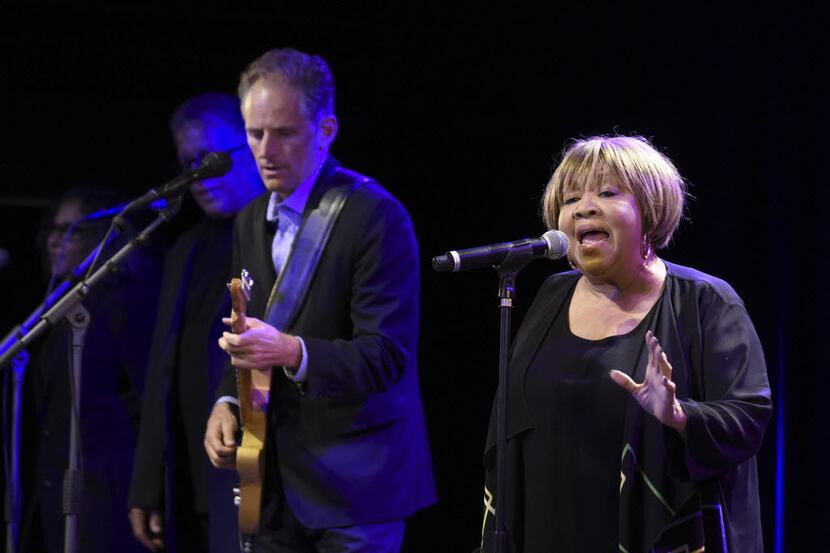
(247, 283)
(240, 296)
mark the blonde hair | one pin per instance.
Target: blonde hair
(309, 74)
(642, 170)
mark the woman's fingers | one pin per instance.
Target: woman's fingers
(658, 363)
(670, 386)
(624, 381)
(665, 366)
(650, 345)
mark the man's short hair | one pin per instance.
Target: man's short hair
(208, 106)
(640, 169)
(308, 74)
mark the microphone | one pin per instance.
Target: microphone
(214, 164)
(157, 205)
(553, 245)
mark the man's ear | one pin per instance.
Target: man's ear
(328, 129)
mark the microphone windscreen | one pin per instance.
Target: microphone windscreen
(214, 164)
(557, 244)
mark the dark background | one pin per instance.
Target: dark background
(461, 111)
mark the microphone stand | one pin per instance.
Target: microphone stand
(81, 289)
(49, 313)
(516, 260)
(13, 513)
(78, 318)
(78, 273)
(13, 503)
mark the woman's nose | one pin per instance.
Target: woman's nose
(586, 206)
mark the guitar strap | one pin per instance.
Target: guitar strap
(292, 284)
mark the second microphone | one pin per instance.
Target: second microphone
(553, 245)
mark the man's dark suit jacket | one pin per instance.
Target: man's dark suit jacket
(164, 407)
(352, 448)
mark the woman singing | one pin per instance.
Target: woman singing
(638, 392)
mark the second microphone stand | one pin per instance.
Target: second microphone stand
(515, 261)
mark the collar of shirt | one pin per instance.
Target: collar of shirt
(295, 202)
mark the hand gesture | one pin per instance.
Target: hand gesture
(656, 394)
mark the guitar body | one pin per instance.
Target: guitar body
(249, 465)
(253, 403)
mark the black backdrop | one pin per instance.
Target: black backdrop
(460, 112)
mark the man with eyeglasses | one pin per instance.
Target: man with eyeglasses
(177, 500)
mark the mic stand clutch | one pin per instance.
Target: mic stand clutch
(515, 261)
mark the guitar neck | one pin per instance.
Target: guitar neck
(238, 325)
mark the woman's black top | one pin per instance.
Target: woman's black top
(571, 501)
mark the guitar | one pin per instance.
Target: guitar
(253, 387)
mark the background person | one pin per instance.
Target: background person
(122, 309)
(185, 363)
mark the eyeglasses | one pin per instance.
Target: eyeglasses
(197, 161)
(67, 231)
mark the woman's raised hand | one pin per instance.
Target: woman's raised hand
(656, 394)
